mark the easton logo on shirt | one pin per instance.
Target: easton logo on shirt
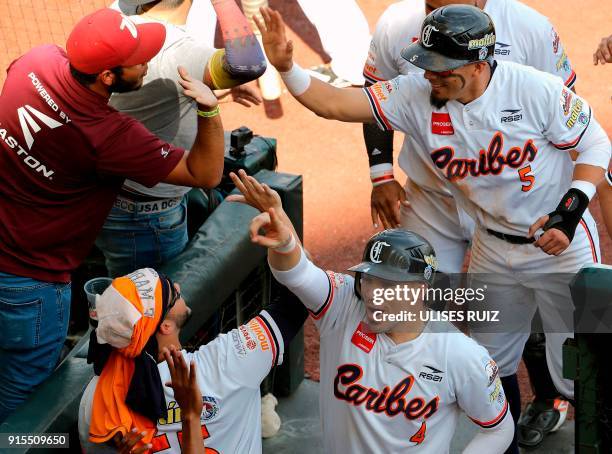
(391, 401)
(489, 162)
(441, 124)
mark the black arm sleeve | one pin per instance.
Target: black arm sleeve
(379, 143)
(288, 312)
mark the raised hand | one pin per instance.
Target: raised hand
(126, 444)
(269, 230)
(278, 49)
(260, 196)
(197, 90)
(184, 384)
(385, 202)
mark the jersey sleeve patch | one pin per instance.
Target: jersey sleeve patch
(370, 72)
(256, 336)
(496, 397)
(335, 281)
(377, 93)
(576, 113)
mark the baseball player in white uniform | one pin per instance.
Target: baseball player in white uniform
(387, 385)
(508, 170)
(229, 371)
(523, 36)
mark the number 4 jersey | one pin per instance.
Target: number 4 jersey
(380, 397)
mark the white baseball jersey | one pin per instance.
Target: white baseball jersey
(229, 370)
(378, 396)
(503, 153)
(523, 36)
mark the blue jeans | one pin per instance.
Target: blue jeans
(34, 319)
(131, 241)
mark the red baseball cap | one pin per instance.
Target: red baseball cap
(106, 39)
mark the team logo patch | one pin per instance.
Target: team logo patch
(426, 35)
(566, 101)
(575, 113)
(210, 408)
(583, 118)
(362, 339)
(492, 371)
(563, 62)
(441, 124)
(488, 40)
(555, 40)
(336, 279)
(376, 251)
(427, 273)
(482, 53)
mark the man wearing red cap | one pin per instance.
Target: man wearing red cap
(64, 154)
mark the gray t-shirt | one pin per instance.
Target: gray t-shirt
(160, 103)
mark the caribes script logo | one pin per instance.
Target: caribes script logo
(391, 401)
(489, 162)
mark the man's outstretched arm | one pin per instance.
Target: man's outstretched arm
(343, 104)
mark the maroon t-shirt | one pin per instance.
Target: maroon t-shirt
(64, 154)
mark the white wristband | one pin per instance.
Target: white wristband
(287, 248)
(587, 187)
(296, 79)
(381, 174)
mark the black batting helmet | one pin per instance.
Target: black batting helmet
(397, 255)
(453, 36)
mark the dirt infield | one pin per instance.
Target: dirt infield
(329, 154)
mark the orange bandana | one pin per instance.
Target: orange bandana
(129, 312)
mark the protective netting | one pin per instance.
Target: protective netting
(28, 23)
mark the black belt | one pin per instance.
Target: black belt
(514, 239)
(136, 197)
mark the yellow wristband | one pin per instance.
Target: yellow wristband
(212, 113)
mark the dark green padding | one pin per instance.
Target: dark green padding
(216, 261)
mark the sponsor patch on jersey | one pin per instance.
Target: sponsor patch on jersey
(486, 41)
(260, 338)
(432, 261)
(502, 48)
(555, 40)
(566, 101)
(441, 124)
(430, 373)
(563, 62)
(362, 339)
(583, 118)
(492, 371)
(382, 90)
(496, 394)
(336, 279)
(575, 113)
(238, 343)
(511, 115)
(210, 408)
